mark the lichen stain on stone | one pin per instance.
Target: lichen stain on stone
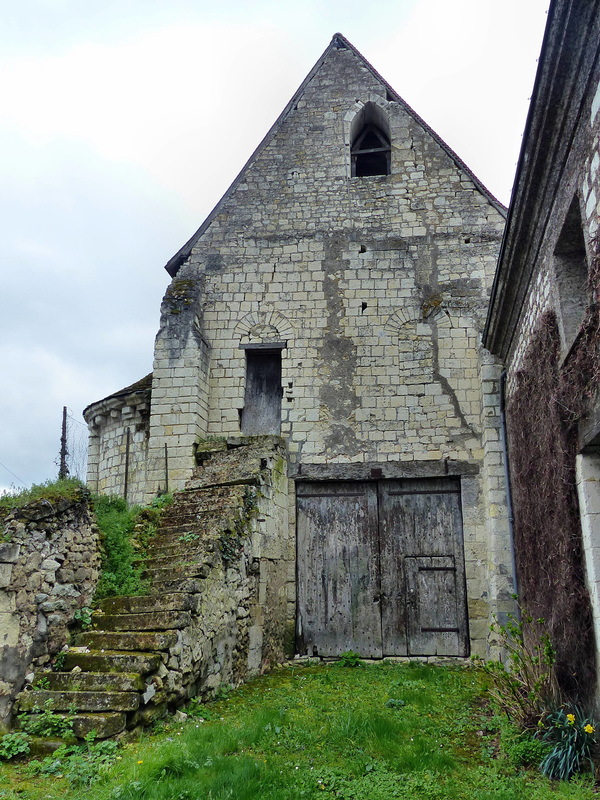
(338, 361)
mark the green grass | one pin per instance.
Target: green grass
(319, 731)
(69, 488)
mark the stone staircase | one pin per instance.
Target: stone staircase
(148, 654)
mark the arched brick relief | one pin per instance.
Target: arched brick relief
(402, 321)
(441, 317)
(262, 327)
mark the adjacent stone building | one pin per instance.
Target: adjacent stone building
(544, 325)
(336, 297)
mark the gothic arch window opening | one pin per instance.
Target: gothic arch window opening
(571, 275)
(370, 142)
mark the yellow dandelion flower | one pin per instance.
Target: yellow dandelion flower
(140, 762)
(571, 719)
(589, 728)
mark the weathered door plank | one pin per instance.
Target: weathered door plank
(338, 569)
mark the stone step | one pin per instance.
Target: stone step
(190, 586)
(101, 640)
(104, 725)
(91, 681)
(81, 701)
(175, 574)
(171, 601)
(111, 661)
(175, 560)
(156, 621)
(174, 548)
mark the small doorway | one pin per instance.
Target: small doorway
(381, 568)
(262, 400)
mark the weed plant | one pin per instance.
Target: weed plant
(45, 722)
(125, 536)
(524, 687)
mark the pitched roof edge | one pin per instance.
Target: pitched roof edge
(514, 269)
(172, 266)
(337, 42)
(143, 386)
(500, 207)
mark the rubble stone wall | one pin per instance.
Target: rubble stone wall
(49, 567)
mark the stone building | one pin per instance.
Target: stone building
(336, 297)
(543, 324)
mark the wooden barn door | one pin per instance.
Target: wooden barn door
(381, 568)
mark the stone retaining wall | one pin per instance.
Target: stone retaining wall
(49, 566)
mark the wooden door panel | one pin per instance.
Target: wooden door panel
(338, 569)
(421, 518)
(262, 399)
(436, 613)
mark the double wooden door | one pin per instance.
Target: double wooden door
(381, 568)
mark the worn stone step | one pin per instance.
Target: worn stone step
(173, 547)
(173, 560)
(91, 681)
(191, 586)
(176, 573)
(111, 661)
(156, 621)
(102, 640)
(81, 701)
(171, 601)
(104, 725)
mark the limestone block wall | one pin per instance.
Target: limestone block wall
(180, 386)
(118, 446)
(49, 564)
(378, 286)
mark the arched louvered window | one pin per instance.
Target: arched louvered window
(370, 149)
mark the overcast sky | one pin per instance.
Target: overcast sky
(109, 115)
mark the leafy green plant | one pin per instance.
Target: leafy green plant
(521, 748)
(524, 687)
(350, 659)
(59, 661)
(81, 764)
(393, 702)
(122, 565)
(45, 722)
(162, 501)
(572, 736)
(189, 537)
(198, 709)
(14, 744)
(83, 616)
